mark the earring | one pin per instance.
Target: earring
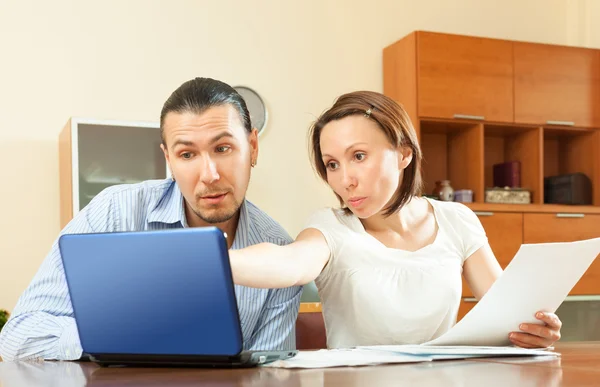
(253, 164)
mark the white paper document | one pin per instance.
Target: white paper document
(344, 357)
(459, 352)
(539, 278)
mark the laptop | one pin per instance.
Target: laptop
(157, 298)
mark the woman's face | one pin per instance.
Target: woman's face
(363, 167)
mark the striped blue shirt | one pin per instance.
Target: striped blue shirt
(42, 324)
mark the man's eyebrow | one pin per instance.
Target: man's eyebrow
(182, 142)
(221, 136)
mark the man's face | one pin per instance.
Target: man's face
(210, 156)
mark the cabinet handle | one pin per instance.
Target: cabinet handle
(484, 213)
(561, 123)
(567, 215)
(469, 117)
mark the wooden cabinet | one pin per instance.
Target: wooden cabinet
(556, 84)
(477, 102)
(505, 235)
(567, 227)
(462, 76)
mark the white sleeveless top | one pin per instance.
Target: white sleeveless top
(375, 295)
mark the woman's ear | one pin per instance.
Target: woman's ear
(406, 155)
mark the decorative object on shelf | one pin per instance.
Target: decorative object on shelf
(573, 188)
(507, 174)
(256, 107)
(463, 196)
(507, 195)
(3, 317)
(443, 190)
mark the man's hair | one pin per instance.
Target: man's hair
(200, 94)
(393, 121)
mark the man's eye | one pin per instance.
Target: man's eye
(223, 148)
(186, 155)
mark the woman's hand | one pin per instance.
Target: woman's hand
(538, 335)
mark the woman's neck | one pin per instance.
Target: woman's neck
(399, 222)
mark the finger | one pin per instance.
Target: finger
(531, 340)
(522, 344)
(550, 319)
(549, 333)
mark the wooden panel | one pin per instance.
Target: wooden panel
(570, 151)
(435, 159)
(551, 160)
(464, 75)
(493, 154)
(533, 208)
(400, 75)
(310, 307)
(504, 232)
(65, 175)
(465, 160)
(464, 308)
(507, 143)
(557, 83)
(527, 147)
(505, 235)
(541, 228)
(310, 331)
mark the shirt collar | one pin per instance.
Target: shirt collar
(170, 210)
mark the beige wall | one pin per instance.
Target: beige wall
(120, 60)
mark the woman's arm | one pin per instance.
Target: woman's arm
(481, 270)
(270, 266)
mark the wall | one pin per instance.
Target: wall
(121, 59)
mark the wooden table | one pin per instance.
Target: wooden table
(579, 365)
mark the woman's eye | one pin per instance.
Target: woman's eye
(360, 156)
(332, 165)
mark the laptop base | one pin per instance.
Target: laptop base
(245, 359)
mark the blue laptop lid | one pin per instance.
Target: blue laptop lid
(164, 292)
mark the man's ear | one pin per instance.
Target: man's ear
(253, 141)
(166, 153)
(406, 155)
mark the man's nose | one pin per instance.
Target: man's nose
(208, 171)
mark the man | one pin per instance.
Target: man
(210, 147)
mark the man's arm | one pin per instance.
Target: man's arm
(42, 324)
(276, 327)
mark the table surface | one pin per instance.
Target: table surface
(578, 365)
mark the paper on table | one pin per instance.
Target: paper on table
(539, 277)
(344, 357)
(437, 352)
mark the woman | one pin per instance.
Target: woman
(388, 264)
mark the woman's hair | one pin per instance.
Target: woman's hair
(393, 120)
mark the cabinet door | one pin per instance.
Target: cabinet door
(541, 228)
(464, 308)
(464, 76)
(556, 84)
(505, 235)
